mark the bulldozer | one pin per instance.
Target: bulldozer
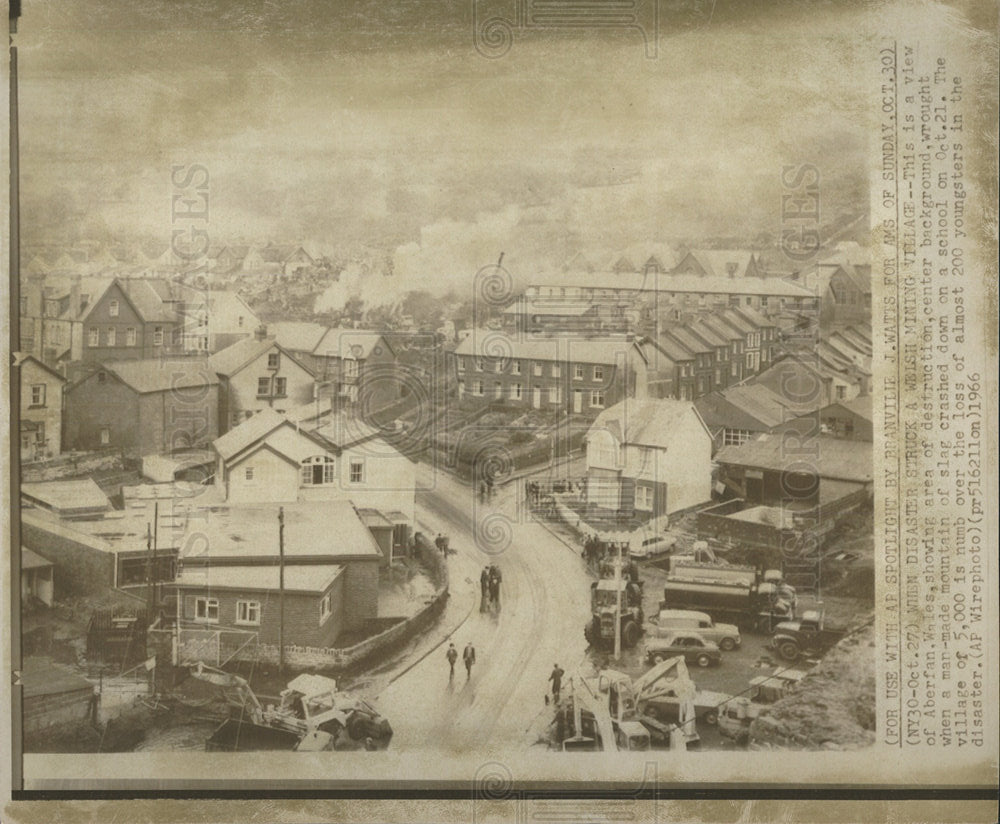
(606, 595)
(311, 715)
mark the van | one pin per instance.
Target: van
(648, 547)
(727, 636)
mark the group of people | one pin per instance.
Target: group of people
(441, 542)
(489, 583)
(468, 658)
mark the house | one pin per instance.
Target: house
(753, 339)
(357, 366)
(298, 337)
(580, 376)
(289, 257)
(257, 373)
(130, 320)
(649, 458)
(671, 370)
(816, 376)
(572, 316)
(843, 419)
(231, 555)
(215, 319)
(157, 405)
(844, 290)
(737, 344)
(270, 459)
(766, 337)
(41, 410)
(741, 413)
(719, 263)
(36, 578)
(704, 357)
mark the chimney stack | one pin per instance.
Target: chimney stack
(74, 298)
(261, 332)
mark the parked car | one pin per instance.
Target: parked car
(650, 547)
(692, 646)
(669, 621)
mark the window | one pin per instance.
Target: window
(515, 391)
(263, 387)
(477, 388)
(248, 612)
(206, 610)
(325, 608)
(272, 360)
(498, 365)
(515, 367)
(578, 372)
(461, 389)
(318, 471)
(748, 300)
(357, 470)
(479, 365)
(597, 398)
(556, 370)
(644, 498)
(239, 321)
(734, 369)
(112, 336)
(93, 336)
(38, 394)
(113, 308)
(497, 390)
(105, 435)
(157, 336)
(130, 336)
(537, 369)
(735, 437)
(248, 473)
(102, 377)
(203, 344)
(281, 387)
(841, 392)
(460, 363)
(555, 394)
(598, 373)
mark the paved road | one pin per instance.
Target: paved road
(545, 603)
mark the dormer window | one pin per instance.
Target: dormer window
(113, 308)
(273, 360)
(318, 471)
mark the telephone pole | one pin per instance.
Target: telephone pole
(281, 589)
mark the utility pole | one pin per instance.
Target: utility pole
(156, 522)
(281, 589)
(618, 602)
(149, 567)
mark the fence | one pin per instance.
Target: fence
(214, 646)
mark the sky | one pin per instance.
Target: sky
(357, 124)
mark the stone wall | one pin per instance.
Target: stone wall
(71, 465)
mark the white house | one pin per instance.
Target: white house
(649, 457)
(270, 459)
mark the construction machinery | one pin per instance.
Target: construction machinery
(616, 610)
(311, 715)
(736, 716)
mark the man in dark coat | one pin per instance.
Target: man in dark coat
(556, 679)
(495, 579)
(484, 586)
(469, 657)
(452, 656)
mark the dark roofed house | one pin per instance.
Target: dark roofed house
(142, 407)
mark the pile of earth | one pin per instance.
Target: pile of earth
(834, 705)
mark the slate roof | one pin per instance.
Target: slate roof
(250, 431)
(667, 283)
(311, 578)
(715, 262)
(297, 336)
(356, 343)
(754, 407)
(162, 375)
(486, 343)
(838, 459)
(234, 357)
(689, 341)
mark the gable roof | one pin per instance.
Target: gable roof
(234, 357)
(860, 406)
(290, 441)
(297, 336)
(21, 361)
(718, 262)
(689, 341)
(356, 343)
(751, 406)
(839, 459)
(645, 422)
(162, 375)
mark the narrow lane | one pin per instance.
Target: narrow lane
(544, 604)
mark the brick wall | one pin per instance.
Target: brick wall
(80, 568)
(360, 592)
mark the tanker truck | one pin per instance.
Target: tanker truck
(744, 599)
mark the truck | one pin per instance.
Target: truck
(806, 636)
(737, 594)
(736, 715)
(605, 596)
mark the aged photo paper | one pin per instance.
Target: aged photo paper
(499, 410)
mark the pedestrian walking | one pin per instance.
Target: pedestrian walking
(484, 586)
(556, 679)
(469, 657)
(439, 542)
(452, 656)
(444, 544)
(495, 579)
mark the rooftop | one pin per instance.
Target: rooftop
(350, 343)
(835, 458)
(233, 358)
(67, 497)
(312, 578)
(667, 283)
(297, 336)
(163, 375)
(489, 344)
(644, 422)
